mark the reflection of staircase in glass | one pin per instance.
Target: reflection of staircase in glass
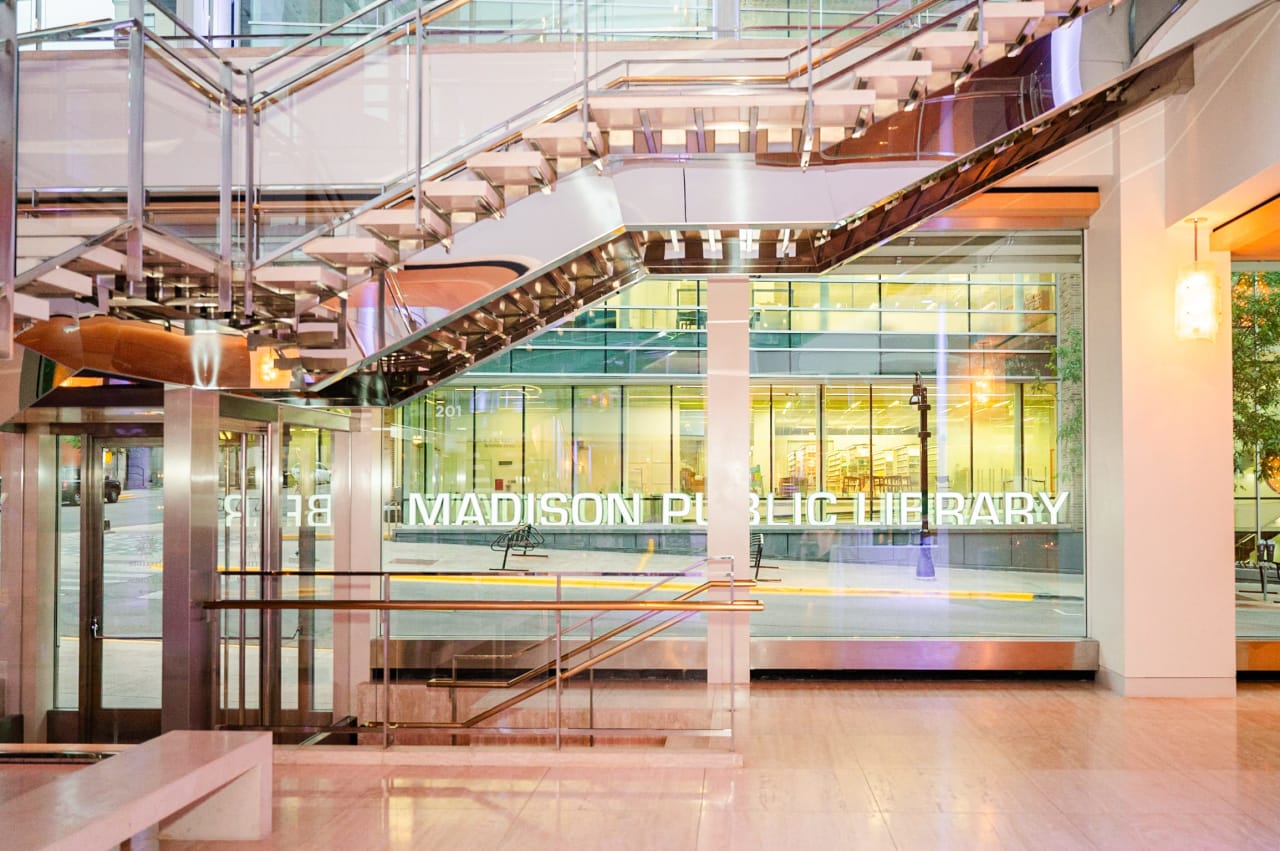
(566, 203)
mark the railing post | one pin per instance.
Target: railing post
(586, 71)
(559, 663)
(8, 170)
(226, 121)
(250, 215)
(733, 657)
(417, 119)
(136, 160)
(808, 142)
(386, 663)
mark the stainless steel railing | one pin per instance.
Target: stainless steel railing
(559, 657)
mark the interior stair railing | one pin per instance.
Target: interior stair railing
(487, 697)
(325, 308)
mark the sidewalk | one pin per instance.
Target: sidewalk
(790, 577)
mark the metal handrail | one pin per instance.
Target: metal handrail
(73, 253)
(563, 103)
(66, 31)
(392, 574)
(188, 31)
(564, 674)
(217, 92)
(485, 605)
(327, 31)
(393, 31)
(883, 26)
(351, 53)
(577, 650)
(593, 618)
(683, 609)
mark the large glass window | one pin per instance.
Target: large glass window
(451, 427)
(499, 439)
(847, 431)
(597, 443)
(548, 451)
(796, 463)
(647, 440)
(836, 447)
(689, 404)
(1256, 365)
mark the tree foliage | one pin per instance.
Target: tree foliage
(1067, 362)
(1255, 356)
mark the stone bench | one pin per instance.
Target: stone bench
(192, 784)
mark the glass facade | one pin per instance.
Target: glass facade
(597, 434)
(1256, 399)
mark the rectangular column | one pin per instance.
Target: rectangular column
(728, 489)
(30, 566)
(190, 557)
(358, 496)
(1158, 443)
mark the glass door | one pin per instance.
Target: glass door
(242, 496)
(111, 559)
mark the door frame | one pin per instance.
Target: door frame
(97, 723)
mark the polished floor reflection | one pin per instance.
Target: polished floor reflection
(895, 765)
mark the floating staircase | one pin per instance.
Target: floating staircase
(858, 84)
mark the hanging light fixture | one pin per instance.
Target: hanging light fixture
(1195, 304)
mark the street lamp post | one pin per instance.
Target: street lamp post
(924, 559)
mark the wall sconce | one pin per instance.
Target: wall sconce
(1195, 301)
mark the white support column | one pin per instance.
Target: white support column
(358, 497)
(190, 557)
(1158, 443)
(728, 427)
(30, 560)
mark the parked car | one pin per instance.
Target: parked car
(69, 487)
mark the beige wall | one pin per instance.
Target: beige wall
(1222, 141)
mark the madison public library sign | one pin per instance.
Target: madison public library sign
(948, 508)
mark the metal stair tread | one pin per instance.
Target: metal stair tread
(565, 138)
(399, 223)
(512, 168)
(301, 278)
(350, 250)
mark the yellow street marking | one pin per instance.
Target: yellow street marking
(630, 584)
(648, 554)
(684, 585)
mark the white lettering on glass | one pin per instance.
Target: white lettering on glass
(947, 508)
(319, 512)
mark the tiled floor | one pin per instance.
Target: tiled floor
(905, 765)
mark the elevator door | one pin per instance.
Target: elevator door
(117, 491)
